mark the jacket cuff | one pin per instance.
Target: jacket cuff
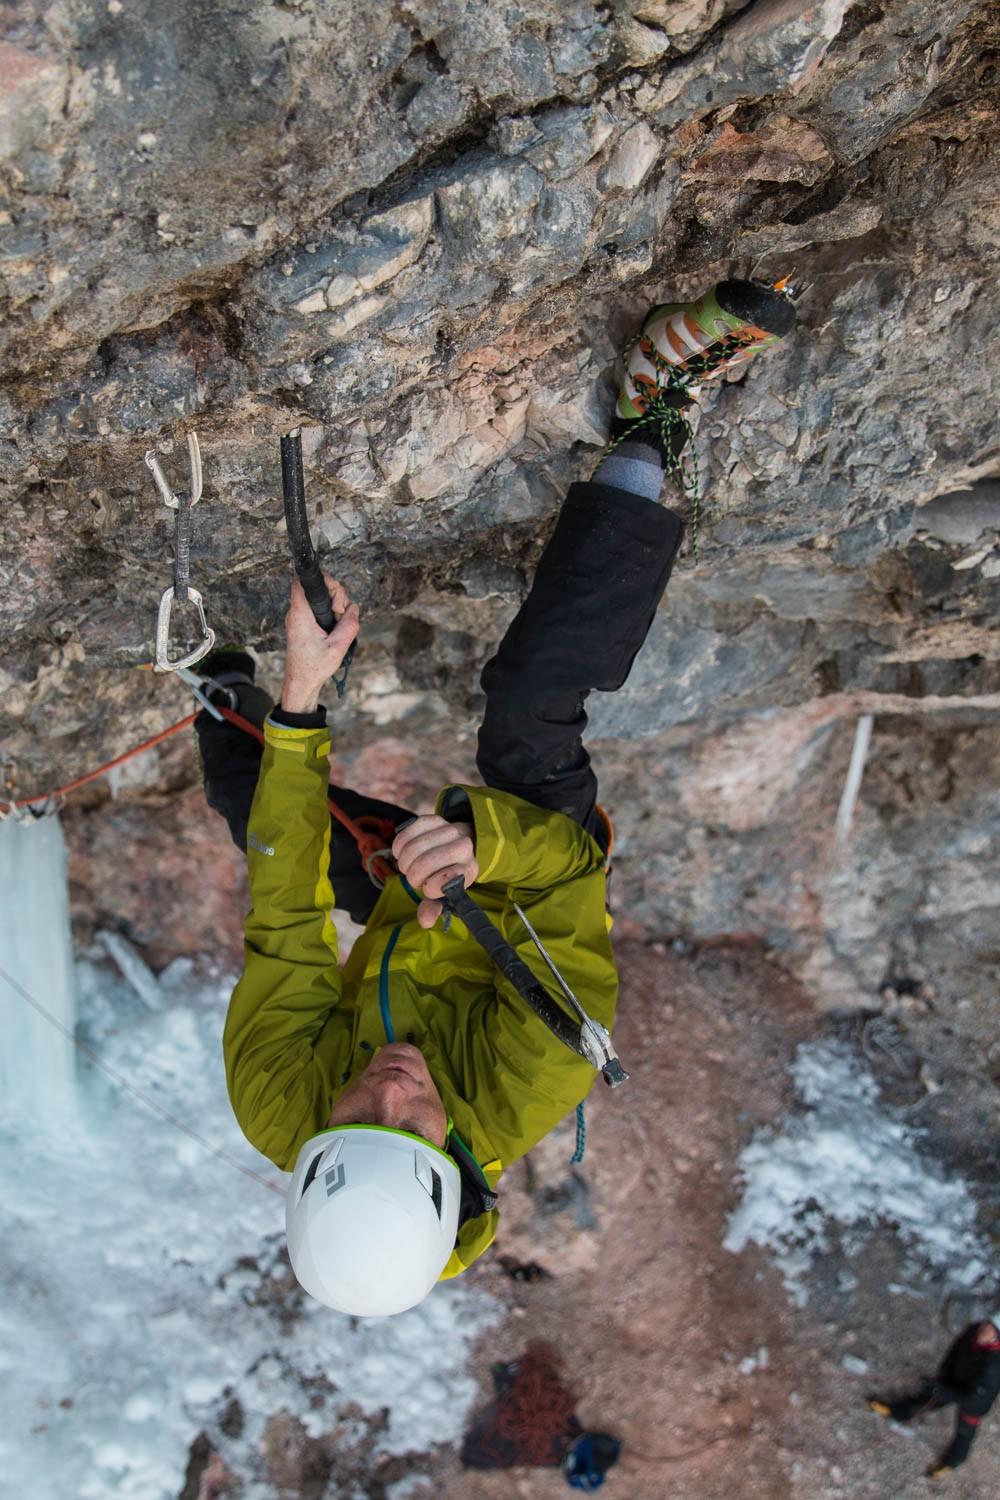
(307, 744)
(287, 720)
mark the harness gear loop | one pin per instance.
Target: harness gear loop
(368, 861)
(181, 501)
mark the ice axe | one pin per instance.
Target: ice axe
(307, 568)
(589, 1039)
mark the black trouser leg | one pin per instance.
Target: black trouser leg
(957, 1450)
(231, 763)
(593, 599)
(930, 1395)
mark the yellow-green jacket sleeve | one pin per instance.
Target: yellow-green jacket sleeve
(280, 1048)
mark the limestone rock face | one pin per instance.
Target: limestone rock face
(423, 232)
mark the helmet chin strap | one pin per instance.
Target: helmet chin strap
(477, 1195)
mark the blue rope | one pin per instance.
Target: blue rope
(581, 1136)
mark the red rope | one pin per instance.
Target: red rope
(371, 840)
(119, 760)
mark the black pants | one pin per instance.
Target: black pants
(598, 584)
(932, 1395)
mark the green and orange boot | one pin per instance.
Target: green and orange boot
(680, 346)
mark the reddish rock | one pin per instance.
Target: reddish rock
(785, 150)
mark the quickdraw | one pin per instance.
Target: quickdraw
(180, 591)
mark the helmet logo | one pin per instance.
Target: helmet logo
(334, 1179)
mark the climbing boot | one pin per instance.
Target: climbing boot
(683, 344)
(229, 683)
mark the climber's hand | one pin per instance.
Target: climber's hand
(312, 657)
(430, 852)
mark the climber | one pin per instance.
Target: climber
(969, 1378)
(397, 1089)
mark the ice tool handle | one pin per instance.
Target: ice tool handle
(307, 568)
(589, 1039)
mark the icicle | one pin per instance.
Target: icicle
(855, 771)
(132, 967)
(37, 1058)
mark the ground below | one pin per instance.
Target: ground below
(661, 1328)
(696, 1357)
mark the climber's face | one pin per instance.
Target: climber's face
(395, 1090)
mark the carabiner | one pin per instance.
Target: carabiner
(162, 661)
(194, 462)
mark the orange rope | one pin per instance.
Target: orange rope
(370, 844)
(119, 760)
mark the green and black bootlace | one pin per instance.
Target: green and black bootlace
(666, 421)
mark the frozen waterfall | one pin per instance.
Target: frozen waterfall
(37, 1060)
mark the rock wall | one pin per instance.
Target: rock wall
(424, 231)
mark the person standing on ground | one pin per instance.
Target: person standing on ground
(969, 1378)
(399, 1087)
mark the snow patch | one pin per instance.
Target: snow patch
(752, 1362)
(144, 1284)
(413, 1487)
(844, 1160)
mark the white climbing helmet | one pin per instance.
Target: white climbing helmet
(371, 1218)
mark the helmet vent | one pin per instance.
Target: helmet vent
(310, 1175)
(430, 1181)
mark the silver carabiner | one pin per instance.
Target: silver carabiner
(194, 462)
(161, 661)
(197, 686)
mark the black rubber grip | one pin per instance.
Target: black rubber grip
(307, 567)
(318, 596)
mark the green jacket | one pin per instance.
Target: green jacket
(300, 1028)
